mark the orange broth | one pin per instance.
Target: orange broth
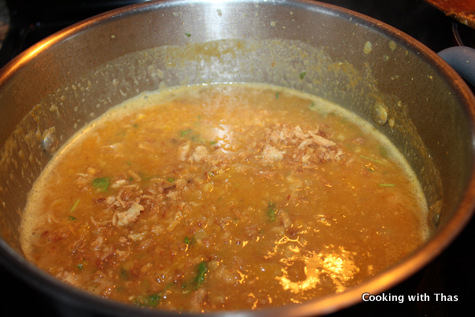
(223, 197)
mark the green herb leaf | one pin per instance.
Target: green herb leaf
(76, 203)
(271, 211)
(80, 266)
(313, 106)
(170, 179)
(197, 138)
(72, 218)
(383, 151)
(153, 300)
(201, 275)
(187, 240)
(101, 183)
(371, 159)
(185, 132)
(124, 274)
(187, 34)
(387, 185)
(150, 300)
(302, 75)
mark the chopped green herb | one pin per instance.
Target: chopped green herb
(145, 177)
(170, 179)
(101, 183)
(76, 203)
(121, 133)
(187, 34)
(136, 125)
(79, 266)
(198, 280)
(277, 95)
(313, 106)
(302, 75)
(213, 142)
(371, 159)
(201, 275)
(72, 218)
(187, 240)
(124, 274)
(193, 136)
(153, 300)
(271, 211)
(185, 132)
(383, 151)
(387, 185)
(197, 138)
(150, 300)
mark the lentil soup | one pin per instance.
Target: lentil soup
(223, 197)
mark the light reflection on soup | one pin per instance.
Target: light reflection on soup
(223, 197)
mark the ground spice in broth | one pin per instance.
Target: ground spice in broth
(223, 197)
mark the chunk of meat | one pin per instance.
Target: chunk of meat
(183, 151)
(127, 217)
(270, 154)
(305, 146)
(200, 154)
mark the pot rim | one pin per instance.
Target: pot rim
(323, 305)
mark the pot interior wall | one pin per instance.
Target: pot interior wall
(53, 90)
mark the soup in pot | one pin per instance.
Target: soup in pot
(223, 197)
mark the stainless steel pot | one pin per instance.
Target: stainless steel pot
(406, 90)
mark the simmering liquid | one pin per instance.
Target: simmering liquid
(223, 197)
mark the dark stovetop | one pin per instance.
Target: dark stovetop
(452, 273)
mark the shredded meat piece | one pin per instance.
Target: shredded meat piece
(70, 278)
(136, 236)
(198, 298)
(83, 179)
(127, 217)
(97, 244)
(200, 154)
(134, 175)
(270, 154)
(172, 225)
(312, 146)
(122, 254)
(320, 140)
(183, 151)
(110, 200)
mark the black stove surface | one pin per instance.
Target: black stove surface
(452, 273)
